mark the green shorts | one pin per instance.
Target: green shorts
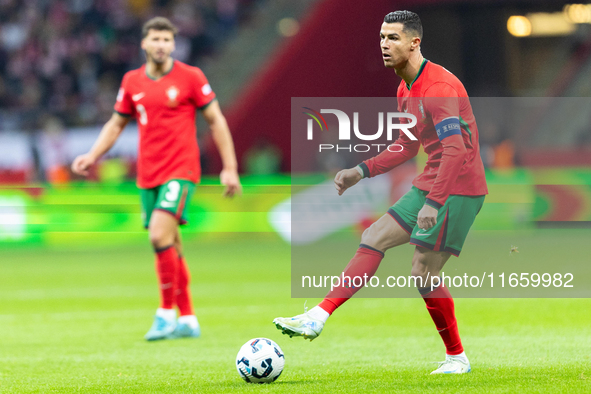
(453, 220)
(171, 197)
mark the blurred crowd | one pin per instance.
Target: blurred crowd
(65, 58)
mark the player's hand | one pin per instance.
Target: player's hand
(82, 163)
(345, 179)
(230, 179)
(427, 217)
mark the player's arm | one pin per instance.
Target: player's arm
(446, 116)
(452, 158)
(401, 151)
(223, 141)
(105, 141)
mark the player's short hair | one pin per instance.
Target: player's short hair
(159, 23)
(409, 20)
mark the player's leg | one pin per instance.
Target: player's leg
(182, 291)
(434, 247)
(382, 235)
(167, 212)
(165, 318)
(187, 323)
(426, 265)
(390, 230)
(162, 229)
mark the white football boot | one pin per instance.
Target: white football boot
(453, 364)
(164, 325)
(302, 325)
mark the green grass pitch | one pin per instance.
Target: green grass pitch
(73, 320)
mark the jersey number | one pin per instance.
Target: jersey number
(143, 114)
(174, 189)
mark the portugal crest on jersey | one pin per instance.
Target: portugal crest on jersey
(173, 94)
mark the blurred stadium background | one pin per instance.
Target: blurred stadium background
(61, 63)
(77, 287)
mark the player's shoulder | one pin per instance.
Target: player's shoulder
(187, 68)
(441, 80)
(193, 76)
(133, 75)
(136, 72)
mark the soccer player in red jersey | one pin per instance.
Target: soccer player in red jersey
(163, 96)
(438, 211)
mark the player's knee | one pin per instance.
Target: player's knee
(179, 248)
(160, 238)
(420, 268)
(366, 235)
(373, 235)
(155, 238)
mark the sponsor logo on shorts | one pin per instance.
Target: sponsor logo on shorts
(420, 234)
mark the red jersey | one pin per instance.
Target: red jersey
(447, 130)
(165, 110)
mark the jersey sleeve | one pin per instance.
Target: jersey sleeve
(402, 150)
(442, 102)
(124, 104)
(203, 93)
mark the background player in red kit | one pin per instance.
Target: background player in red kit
(436, 214)
(163, 96)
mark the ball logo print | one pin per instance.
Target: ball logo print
(243, 366)
(278, 351)
(254, 346)
(268, 368)
(392, 122)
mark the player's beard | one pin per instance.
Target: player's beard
(158, 60)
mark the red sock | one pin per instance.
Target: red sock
(166, 268)
(440, 305)
(365, 263)
(182, 291)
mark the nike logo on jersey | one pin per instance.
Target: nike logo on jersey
(138, 96)
(420, 234)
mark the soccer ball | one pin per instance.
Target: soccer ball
(260, 360)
